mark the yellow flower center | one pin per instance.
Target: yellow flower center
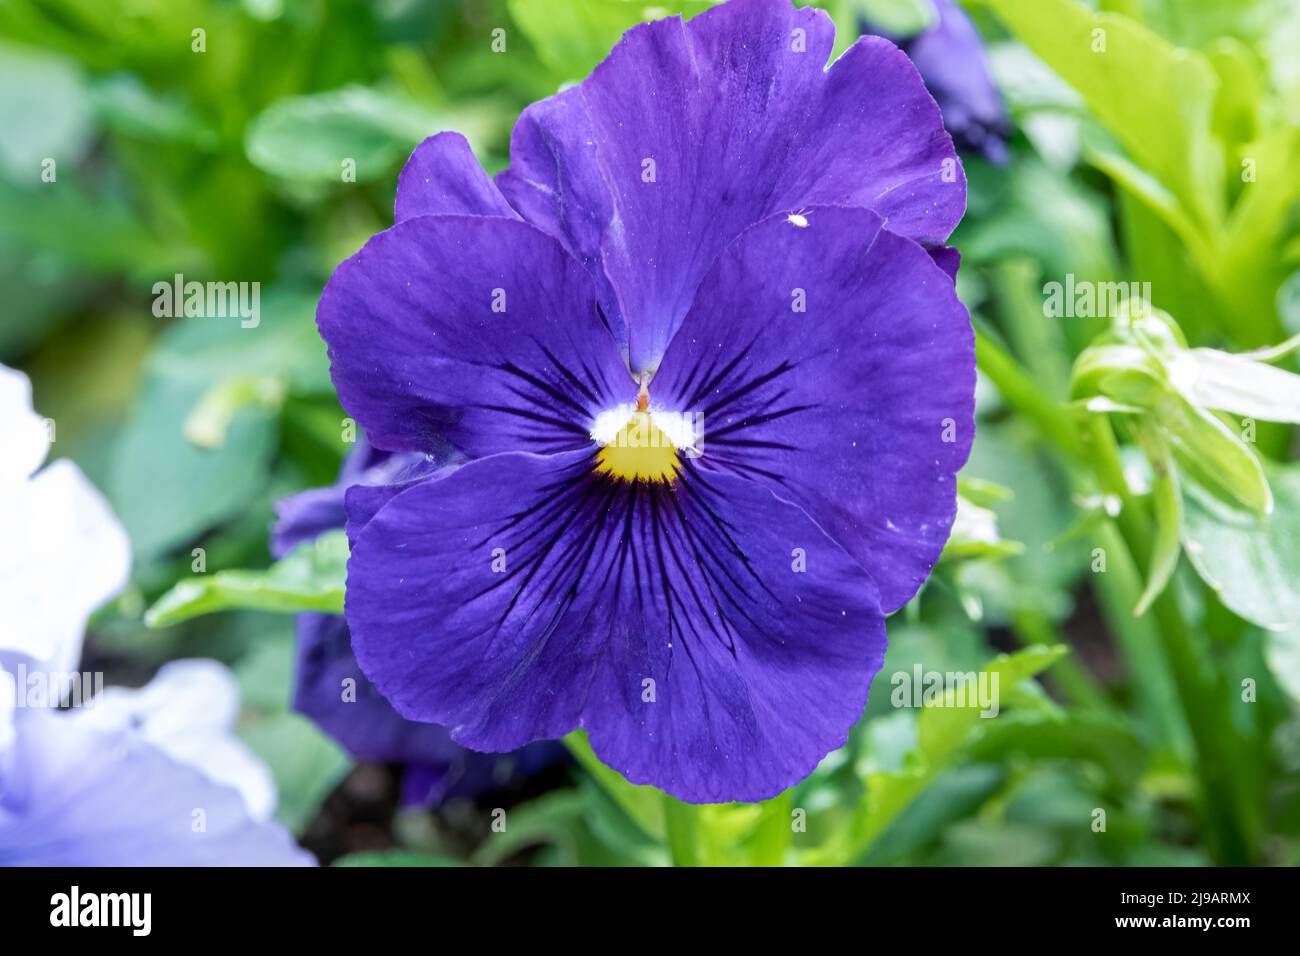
(639, 451)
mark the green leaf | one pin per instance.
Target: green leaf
(954, 794)
(941, 733)
(312, 577)
(1104, 741)
(312, 137)
(975, 534)
(900, 18)
(941, 730)
(1210, 454)
(50, 119)
(1282, 650)
(1035, 212)
(166, 488)
(1253, 564)
(642, 804)
(1168, 517)
(306, 764)
(555, 819)
(572, 36)
(125, 104)
(1249, 268)
(1236, 113)
(1156, 99)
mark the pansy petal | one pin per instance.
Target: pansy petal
(711, 638)
(556, 183)
(479, 331)
(309, 514)
(442, 178)
(71, 795)
(833, 361)
(947, 258)
(952, 61)
(62, 554)
(188, 711)
(331, 689)
(705, 127)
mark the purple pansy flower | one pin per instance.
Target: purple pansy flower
(950, 58)
(713, 391)
(437, 768)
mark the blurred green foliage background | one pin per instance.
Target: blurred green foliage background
(226, 164)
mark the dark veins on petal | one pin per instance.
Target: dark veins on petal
(611, 516)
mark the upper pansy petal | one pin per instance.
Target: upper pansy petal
(832, 360)
(442, 178)
(700, 129)
(711, 638)
(555, 182)
(479, 331)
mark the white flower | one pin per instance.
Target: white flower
(188, 711)
(62, 552)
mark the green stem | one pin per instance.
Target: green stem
(1229, 813)
(1071, 678)
(682, 828)
(1226, 805)
(1054, 422)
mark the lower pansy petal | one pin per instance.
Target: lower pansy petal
(710, 637)
(479, 331)
(831, 360)
(330, 689)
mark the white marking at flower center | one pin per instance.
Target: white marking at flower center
(678, 427)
